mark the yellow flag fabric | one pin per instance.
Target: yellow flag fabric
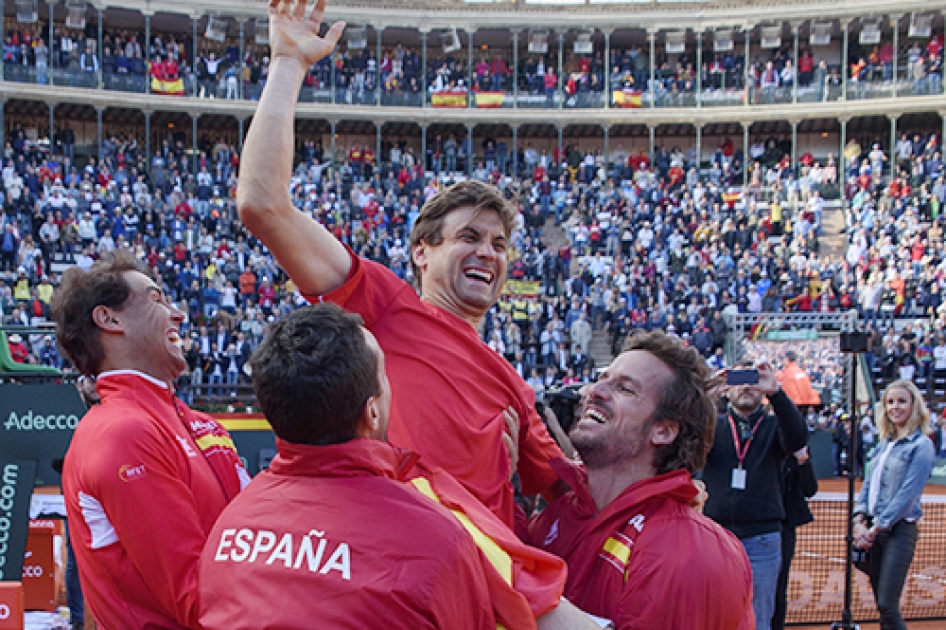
(627, 98)
(448, 99)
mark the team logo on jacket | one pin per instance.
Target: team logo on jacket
(129, 473)
(186, 445)
(290, 550)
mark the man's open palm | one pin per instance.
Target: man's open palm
(295, 36)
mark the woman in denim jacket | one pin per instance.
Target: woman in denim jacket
(888, 506)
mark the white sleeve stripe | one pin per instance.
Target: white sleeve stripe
(101, 529)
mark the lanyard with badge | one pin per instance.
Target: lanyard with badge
(739, 473)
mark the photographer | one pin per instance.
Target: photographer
(743, 473)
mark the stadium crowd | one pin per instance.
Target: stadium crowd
(606, 244)
(648, 243)
(395, 73)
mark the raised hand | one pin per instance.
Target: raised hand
(293, 36)
(768, 384)
(511, 438)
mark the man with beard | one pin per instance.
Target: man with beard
(743, 476)
(645, 426)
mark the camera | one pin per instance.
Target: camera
(742, 377)
(563, 402)
(854, 342)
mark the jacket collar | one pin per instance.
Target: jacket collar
(675, 485)
(132, 383)
(910, 438)
(123, 373)
(356, 458)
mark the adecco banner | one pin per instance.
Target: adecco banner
(16, 489)
(36, 422)
(36, 425)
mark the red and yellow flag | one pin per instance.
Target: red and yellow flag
(627, 98)
(490, 99)
(173, 87)
(448, 99)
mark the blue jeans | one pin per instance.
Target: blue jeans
(935, 84)
(890, 560)
(765, 556)
(215, 379)
(781, 593)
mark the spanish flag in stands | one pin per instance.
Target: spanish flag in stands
(455, 98)
(627, 98)
(490, 99)
(172, 87)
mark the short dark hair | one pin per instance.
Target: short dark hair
(686, 400)
(313, 373)
(76, 298)
(429, 224)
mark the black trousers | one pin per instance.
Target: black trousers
(781, 589)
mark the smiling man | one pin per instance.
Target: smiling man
(452, 395)
(637, 553)
(145, 477)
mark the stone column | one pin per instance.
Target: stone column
(652, 36)
(334, 126)
(844, 60)
(515, 68)
(745, 153)
(607, 67)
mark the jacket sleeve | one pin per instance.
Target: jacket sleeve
(918, 473)
(460, 598)
(860, 503)
(154, 514)
(524, 582)
(708, 571)
(807, 480)
(536, 451)
(790, 422)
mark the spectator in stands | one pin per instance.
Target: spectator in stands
(888, 505)
(18, 350)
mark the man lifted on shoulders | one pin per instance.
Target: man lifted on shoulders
(452, 395)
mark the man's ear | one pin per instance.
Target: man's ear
(370, 424)
(419, 255)
(106, 319)
(663, 432)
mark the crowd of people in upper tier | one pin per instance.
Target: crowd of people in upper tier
(634, 242)
(395, 74)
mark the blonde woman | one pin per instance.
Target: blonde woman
(888, 506)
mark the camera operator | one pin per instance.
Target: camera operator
(742, 476)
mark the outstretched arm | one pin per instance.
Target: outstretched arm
(311, 256)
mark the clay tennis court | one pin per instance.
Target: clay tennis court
(816, 587)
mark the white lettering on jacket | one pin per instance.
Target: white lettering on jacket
(289, 551)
